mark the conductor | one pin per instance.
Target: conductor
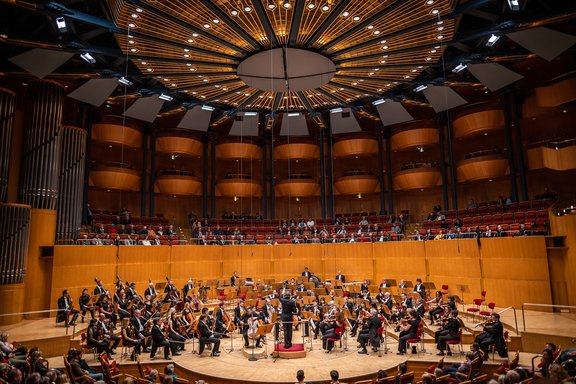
(288, 310)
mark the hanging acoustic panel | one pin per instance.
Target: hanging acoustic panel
(545, 42)
(344, 122)
(494, 75)
(95, 91)
(244, 125)
(443, 98)
(294, 125)
(41, 62)
(393, 112)
(145, 109)
(197, 119)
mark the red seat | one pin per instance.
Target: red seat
(339, 331)
(444, 289)
(457, 341)
(418, 338)
(488, 313)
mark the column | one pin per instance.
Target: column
(272, 179)
(264, 149)
(212, 133)
(508, 130)
(390, 181)
(330, 170)
(322, 175)
(445, 201)
(453, 181)
(516, 112)
(151, 203)
(72, 167)
(205, 172)
(7, 111)
(381, 171)
(143, 174)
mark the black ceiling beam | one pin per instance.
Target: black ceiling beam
(246, 102)
(373, 67)
(302, 97)
(372, 78)
(191, 74)
(204, 85)
(259, 9)
(326, 23)
(178, 21)
(226, 94)
(173, 60)
(351, 88)
(296, 21)
(276, 103)
(466, 7)
(362, 25)
(231, 23)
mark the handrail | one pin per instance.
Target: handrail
(515, 317)
(37, 312)
(542, 305)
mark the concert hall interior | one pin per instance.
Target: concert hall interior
(288, 180)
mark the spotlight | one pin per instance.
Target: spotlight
(88, 58)
(271, 5)
(492, 40)
(420, 88)
(460, 67)
(125, 81)
(208, 108)
(165, 97)
(247, 9)
(378, 102)
(336, 110)
(234, 12)
(61, 24)
(514, 5)
(250, 113)
(293, 114)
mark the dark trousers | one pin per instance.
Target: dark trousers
(205, 340)
(441, 340)
(402, 341)
(167, 347)
(485, 340)
(287, 332)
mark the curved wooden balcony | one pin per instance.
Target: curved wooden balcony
(556, 94)
(355, 145)
(177, 182)
(179, 144)
(291, 151)
(297, 186)
(237, 150)
(353, 183)
(414, 134)
(417, 178)
(482, 167)
(561, 159)
(240, 187)
(478, 122)
(112, 129)
(115, 176)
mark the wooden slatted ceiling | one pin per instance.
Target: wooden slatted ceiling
(280, 20)
(423, 56)
(312, 19)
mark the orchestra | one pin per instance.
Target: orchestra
(333, 310)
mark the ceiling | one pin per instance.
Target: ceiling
(362, 50)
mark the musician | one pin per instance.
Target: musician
(387, 300)
(95, 338)
(151, 291)
(206, 336)
(301, 288)
(341, 277)
(139, 325)
(364, 286)
(306, 273)
(171, 292)
(187, 288)
(233, 279)
(107, 309)
(317, 312)
(288, 310)
(174, 334)
(406, 301)
(408, 330)
(250, 328)
(434, 312)
(449, 331)
(159, 340)
(365, 295)
(339, 321)
(121, 304)
(66, 309)
(99, 290)
(493, 334)
(239, 313)
(326, 325)
(419, 287)
(107, 332)
(402, 284)
(83, 300)
(130, 338)
(419, 308)
(374, 323)
(131, 293)
(267, 311)
(273, 295)
(220, 325)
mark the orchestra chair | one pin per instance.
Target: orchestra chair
(444, 289)
(339, 331)
(110, 368)
(406, 378)
(86, 348)
(492, 347)
(482, 379)
(126, 350)
(457, 341)
(477, 303)
(76, 379)
(418, 339)
(472, 371)
(443, 379)
(491, 307)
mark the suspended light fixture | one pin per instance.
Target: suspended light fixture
(492, 40)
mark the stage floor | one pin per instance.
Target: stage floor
(233, 364)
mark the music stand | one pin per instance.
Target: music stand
(160, 286)
(462, 288)
(429, 286)
(307, 300)
(266, 329)
(390, 282)
(408, 284)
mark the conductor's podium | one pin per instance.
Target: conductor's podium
(296, 351)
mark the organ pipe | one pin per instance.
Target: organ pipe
(15, 228)
(41, 156)
(7, 109)
(69, 204)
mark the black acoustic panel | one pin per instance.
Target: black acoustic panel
(494, 75)
(546, 43)
(145, 109)
(197, 119)
(393, 112)
(41, 62)
(94, 91)
(443, 98)
(248, 126)
(294, 125)
(344, 122)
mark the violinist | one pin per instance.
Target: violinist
(406, 301)
(66, 309)
(493, 334)
(107, 309)
(365, 295)
(159, 340)
(96, 339)
(449, 331)
(419, 308)
(438, 310)
(326, 322)
(139, 325)
(374, 323)
(408, 330)
(105, 329)
(339, 322)
(387, 300)
(130, 338)
(362, 314)
(83, 300)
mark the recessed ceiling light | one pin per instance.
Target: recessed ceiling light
(195, 34)
(345, 14)
(433, 51)
(133, 50)
(325, 8)
(311, 6)
(150, 69)
(186, 50)
(134, 15)
(192, 69)
(287, 5)
(440, 37)
(205, 80)
(440, 22)
(435, 11)
(440, 28)
(132, 25)
(356, 18)
(370, 27)
(247, 9)
(382, 41)
(216, 21)
(131, 41)
(271, 5)
(384, 47)
(186, 55)
(376, 32)
(207, 25)
(430, 2)
(139, 10)
(234, 12)
(144, 63)
(190, 40)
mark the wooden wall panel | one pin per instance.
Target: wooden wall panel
(290, 260)
(515, 271)
(140, 263)
(454, 262)
(196, 261)
(399, 260)
(12, 299)
(354, 260)
(565, 226)
(76, 267)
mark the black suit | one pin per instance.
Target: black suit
(159, 340)
(99, 290)
(185, 291)
(448, 332)
(410, 334)
(65, 310)
(288, 310)
(493, 335)
(421, 290)
(307, 274)
(342, 278)
(206, 336)
(150, 291)
(374, 323)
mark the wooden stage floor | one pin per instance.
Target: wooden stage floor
(234, 365)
